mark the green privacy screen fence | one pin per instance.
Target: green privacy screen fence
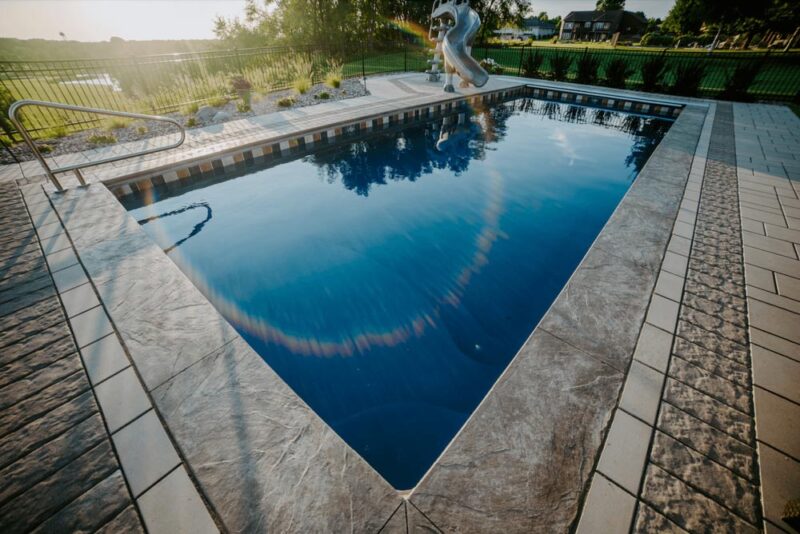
(169, 83)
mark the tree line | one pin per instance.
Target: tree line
(691, 16)
(343, 22)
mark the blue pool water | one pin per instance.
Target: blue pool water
(389, 279)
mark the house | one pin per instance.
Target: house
(601, 25)
(532, 28)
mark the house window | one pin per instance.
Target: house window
(568, 25)
(587, 25)
(567, 35)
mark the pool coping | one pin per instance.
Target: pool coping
(450, 503)
(314, 137)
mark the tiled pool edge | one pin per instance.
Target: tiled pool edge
(247, 154)
(228, 351)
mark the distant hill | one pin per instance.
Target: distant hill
(36, 49)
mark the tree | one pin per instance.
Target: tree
(653, 25)
(783, 16)
(610, 5)
(686, 16)
(689, 16)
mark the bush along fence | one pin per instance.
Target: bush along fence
(175, 82)
(744, 76)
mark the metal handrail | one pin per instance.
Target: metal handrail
(75, 167)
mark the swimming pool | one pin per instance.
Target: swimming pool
(390, 277)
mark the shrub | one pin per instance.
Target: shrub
(532, 64)
(191, 122)
(302, 73)
(323, 96)
(657, 39)
(333, 74)
(688, 77)
(44, 148)
(99, 139)
(190, 109)
(286, 102)
(6, 99)
(243, 88)
(240, 84)
(117, 123)
(617, 71)
(740, 80)
(652, 72)
(560, 64)
(218, 101)
(701, 40)
(588, 66)
(56, 132)
(301, 85)
(491, 66)
(141, 130)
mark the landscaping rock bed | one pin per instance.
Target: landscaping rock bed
(204, 116)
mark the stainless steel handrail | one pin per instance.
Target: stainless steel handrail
(75, 167)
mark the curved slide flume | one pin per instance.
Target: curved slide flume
(457, 43)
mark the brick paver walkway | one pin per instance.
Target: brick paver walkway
(701, 473)
(706, 435)
(58, 469)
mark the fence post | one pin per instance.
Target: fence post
(238, 60)
(363, 68)
(521, 58)
(144, 83)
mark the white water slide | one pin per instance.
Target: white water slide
(457, 42)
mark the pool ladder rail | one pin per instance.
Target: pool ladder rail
(76, 167)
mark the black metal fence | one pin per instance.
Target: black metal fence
(169, 83)
(767, 75)
(164, 83)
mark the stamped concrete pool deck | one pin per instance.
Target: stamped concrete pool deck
(658, 393)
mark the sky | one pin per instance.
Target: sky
(97, 20)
